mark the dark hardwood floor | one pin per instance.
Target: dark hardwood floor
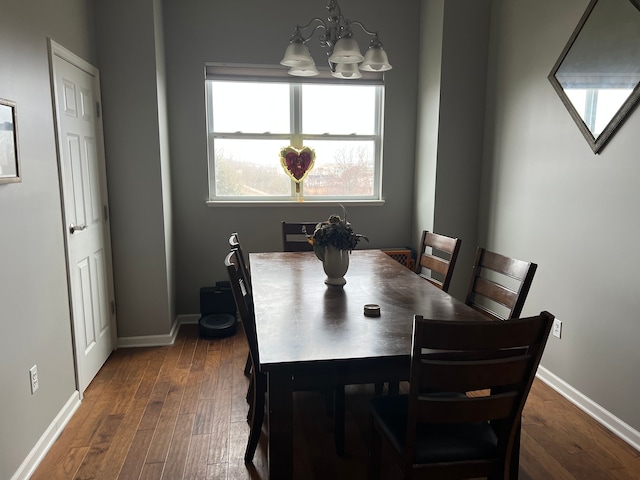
(179, 412)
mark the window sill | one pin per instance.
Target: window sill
(293, 203)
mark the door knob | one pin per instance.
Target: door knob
(76, 228)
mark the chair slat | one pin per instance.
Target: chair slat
(441, 242)
(474, 375)
(294, 238)
(463, 410)
(486, 291)
(510, 267)
(442, 265)
(476, 336)
(494, 291)
(434, 263)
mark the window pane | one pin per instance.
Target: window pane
(250, 107)
(250, 168)
(343, 168)
(597, 107)
(609, 102)
(338, 109)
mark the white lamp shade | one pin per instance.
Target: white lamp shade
(347, 70)
(297, 53)
(346, 50)
(375, 60)
(304, 70)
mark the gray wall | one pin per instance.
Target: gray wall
(544, 196)
(132, 70)
(547, 198)
(428, 117)
(196, 33)
(34, 305)
(199, 32)
(453, 56)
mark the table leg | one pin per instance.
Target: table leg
(338, 419)
(280, 426)
(515, 456)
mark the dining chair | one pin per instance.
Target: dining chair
(234, 243)
(442, 265)
(258, 387)
(438, 254)
(294, 238)
(499, 285)
(460, 434)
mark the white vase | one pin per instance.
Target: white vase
(335, 264)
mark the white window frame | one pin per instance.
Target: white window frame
(264, 74)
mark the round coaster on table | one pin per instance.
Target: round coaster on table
(372, 310)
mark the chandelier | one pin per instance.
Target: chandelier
(343, 51)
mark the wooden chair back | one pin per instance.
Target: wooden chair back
(499, 285)
(294, 238)
(234, 244)
(258, 385)
(244, 302)
(430, 245)
(498, 358)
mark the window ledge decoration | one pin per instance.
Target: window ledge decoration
(598, 73)
(297, 163)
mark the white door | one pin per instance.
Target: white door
(83, 183)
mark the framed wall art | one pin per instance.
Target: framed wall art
(598, 74)
(9, 161)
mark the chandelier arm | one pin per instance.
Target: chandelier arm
(321, 24)
(364, 29)
(313, 32)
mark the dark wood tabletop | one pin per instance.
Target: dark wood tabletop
(300, 319)
(310, 330)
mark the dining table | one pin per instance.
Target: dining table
(307, 329)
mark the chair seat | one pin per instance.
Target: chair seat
(435, 443)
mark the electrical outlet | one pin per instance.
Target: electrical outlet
(557, 328)
(33, 375)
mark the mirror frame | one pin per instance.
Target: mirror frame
(598, 143)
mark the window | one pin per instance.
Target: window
(597, 106)
(252, 113)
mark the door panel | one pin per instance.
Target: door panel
(102, 303)
(84, 311)
(83, 181)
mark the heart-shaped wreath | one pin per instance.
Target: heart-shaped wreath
(297, 162)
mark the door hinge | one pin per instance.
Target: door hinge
(106, 213)
(98, 109)
(113, 307)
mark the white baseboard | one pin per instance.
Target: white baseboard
(158, 340)
(591, 408)
(188, 318)
(48, 437)
(150, 340)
